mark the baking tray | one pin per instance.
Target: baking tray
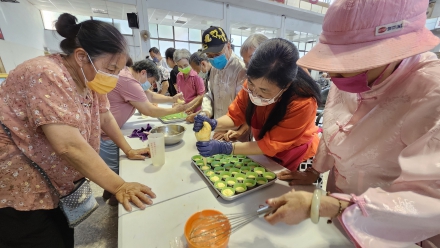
(179, 117)
(237, 162)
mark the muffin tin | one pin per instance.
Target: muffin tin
(234, 176)
(173, 118)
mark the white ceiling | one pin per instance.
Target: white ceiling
(165, 17)
(84, 7)
(155, 16)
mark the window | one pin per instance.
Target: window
(164, 37)
(181, 34)
(195, 35)
(153, 30)
(103, 19)
(165, 32)
(122, 26)
(49, 19)
(236, 40)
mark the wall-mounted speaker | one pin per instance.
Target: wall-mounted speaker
(133, 21)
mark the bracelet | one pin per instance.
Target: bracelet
(329, 221)
(314, 206)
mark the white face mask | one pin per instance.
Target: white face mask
(258, 101)
(202, 74)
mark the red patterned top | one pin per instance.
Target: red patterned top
(41, 91)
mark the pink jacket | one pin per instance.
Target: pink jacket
(383, 147)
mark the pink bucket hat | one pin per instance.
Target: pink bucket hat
(359, 35)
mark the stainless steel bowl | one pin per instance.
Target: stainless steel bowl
(173, 134)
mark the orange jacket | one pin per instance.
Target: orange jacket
(297, 127)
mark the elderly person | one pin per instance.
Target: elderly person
(200, 63)
(54, 107)
(156, 56)
(188, 82)
(250, 45)
(226, 78)
(381, 126)
(128, 97)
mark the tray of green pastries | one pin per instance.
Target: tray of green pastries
(173, 118)
(234, 176)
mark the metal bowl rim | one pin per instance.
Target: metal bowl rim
(168, 136)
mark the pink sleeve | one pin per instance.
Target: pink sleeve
(408, 210)
(131, 91)
(200, 86)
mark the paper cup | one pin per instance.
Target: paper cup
(157, 148)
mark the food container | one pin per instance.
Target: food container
(225, 174)
(228, 166)
(202, 219)
(251, 175)
(209, 173)
(269, 175)
(259, 170)
(245, 169)
(179, 117)
(219, 170)
(231, 181)
(228, 192)
(240, 177)
(172, 134)
(220, 185)
(238, 165)
(240, 188)
(261, 180)
(234, 171)
(250, 183)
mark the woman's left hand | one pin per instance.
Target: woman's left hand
(291, 208)
(213, 147)
(138, 154)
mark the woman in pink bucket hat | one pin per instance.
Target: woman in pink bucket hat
(381, 130)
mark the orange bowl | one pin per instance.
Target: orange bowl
(202, 232)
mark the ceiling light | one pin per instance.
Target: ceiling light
(243, 28)
(99, 11)
(180, 22)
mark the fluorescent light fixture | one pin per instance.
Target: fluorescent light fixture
(99, 11)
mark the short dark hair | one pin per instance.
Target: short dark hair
(147, 65)
(275, 61)
(129, 62)
(95, 37)
(154, 50)
(169, 53)
(198, 57)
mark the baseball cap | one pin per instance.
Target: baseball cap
(213, 40)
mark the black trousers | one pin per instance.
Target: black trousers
(38, 228)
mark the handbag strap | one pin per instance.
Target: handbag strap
(42, 172)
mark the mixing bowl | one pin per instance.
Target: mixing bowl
(173, 133)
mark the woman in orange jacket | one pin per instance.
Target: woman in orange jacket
(278, 101)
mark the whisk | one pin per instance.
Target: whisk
(210, 230)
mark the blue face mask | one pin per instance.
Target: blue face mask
(219, 62)
(146, 85)
(155, 59)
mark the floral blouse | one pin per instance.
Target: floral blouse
(41, 91)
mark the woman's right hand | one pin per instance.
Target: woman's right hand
(307, 177)
(134, 192)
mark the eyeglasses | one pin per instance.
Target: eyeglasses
(254, 94)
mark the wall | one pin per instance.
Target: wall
(22, 28)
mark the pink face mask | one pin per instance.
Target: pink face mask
(356, 84)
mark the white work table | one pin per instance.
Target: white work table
(181, 191)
